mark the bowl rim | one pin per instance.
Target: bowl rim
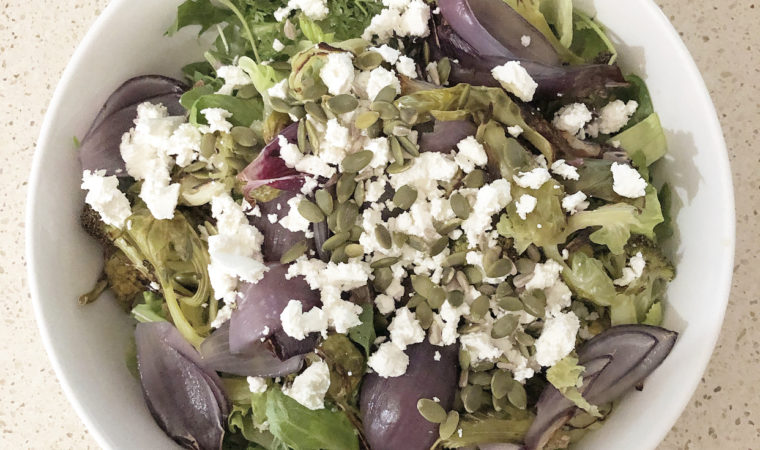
(90, 39)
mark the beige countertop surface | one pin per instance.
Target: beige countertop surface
(37, 38)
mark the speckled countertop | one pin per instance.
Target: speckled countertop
(37, 39)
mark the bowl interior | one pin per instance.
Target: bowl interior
(87, 345)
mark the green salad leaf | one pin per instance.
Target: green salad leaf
(364, 333)
(590, 41)
(588, 279)
(506, 426)
(646, 137)
(305, 429)
(151, 309)
(559, 14)
(531, 11)
(198, 12)
(244, 111)
(636, 90)
(544, 226)
(567, 377)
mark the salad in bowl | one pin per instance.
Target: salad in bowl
(384, 225)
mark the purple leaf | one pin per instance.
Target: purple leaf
(277, 239)
(389, 405)
(184, 397)
(268, 169)
(446, 135)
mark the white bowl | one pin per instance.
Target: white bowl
(86, 345)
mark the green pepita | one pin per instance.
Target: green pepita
(384, 262)
(517, 396)
(444, 70)
(487, 289)
(504, 289)
(408, 145)
(449, 426)
(535, 302)
(396, 150)
(501, 383)
(208, 145)
(383, 236)
(408, 115)
(359, 193)
(313, 135)
(357, 161)
(455, 298)
(366, 119)
(405, 197)
(345, 187)
(335, 241)
(479, 306)
(447, 275)
(247, 92)
(534, 253)
(480, 378)
(356, 233)
(398, 168)
(455, 259)
(368, 60)
(302, 140)
(293, 253)
(347, 214)
(431, 411)
(473, 398)
(444, 228)
(504, 326)
(417, 243)
(386, 110)
(400, 239)
(383, 277)
(460, 205)
(437, 297)
(424, 315)
(386, 94)
(297, 111)
(525, 265)
(510, 303)
(524, 338)
(474, 274)
(499, 268)
(475, 179)
(243, 136)
(415, 301)
(482, 366)
(279, 105)
(310, 211)
(324, 201)
(196, 166)
(332, 221)
(423, 285)
(339, 255)
(344, 103)
(315, 111)
(439, 245)
(354, 250)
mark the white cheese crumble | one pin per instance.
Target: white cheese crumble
(277, 45)
(185, 144)
(405, 329)
(223, 314)
(256, 385)
(335, 141)
(525, 205)
(615, 115)
(379, 78)
(515, 131)
(309, 388)
(234, 77)
(384, 303)
(575, 203)
(437, 356)
(314, 9)
(533, 179)
(279, 90)
(480, 346)
(471, 154)
(515, 79)
(294, 221)
(525, 40)
(627, 182)
(489, 200)
(414, 21)
(544, 275)
(635, 268)
(566, 171)
(298, 324)
(572, 118)
(389, 54)
(217, 120)
(557, 339)
(388, 360)
(338, 73)
(104, 196)
(407, 67)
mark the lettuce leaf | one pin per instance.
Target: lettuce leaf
(151, 309)
(567, 377)
(244, 111)
(590, 42)
(559, 14)
(588, 280)
(364, 333)
(198, 12)
(646, 137)
(636, 90)
(544, 227)
(531, 11)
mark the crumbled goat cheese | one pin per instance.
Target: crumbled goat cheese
(379, 78)
(314, 9)
(309, 388)
(104, 196)
(615, 115)
(471, 154)
(525, 40)
(566, 171)
(278, 46)
(272, 218)
(414, 21)
(383, 25)
(544, 275)
(437, 356)
(388, 360)
(217, 120)
(256, 385)
(575, 203)
(185, 144)
(309, 184)
(558, 297)
(389, 54)
(332, 148)
(381, 153)
(294, 221)
(427, 170)
(480, 346)
(404, 17)
(279, 90)
(298, 324)
(557, 339)
(405, 329)
(223, 314)
(407, 67)
(533, 179)
(515, 79)
(634, 270)
(525, 205)
(338, 73)
(515, 131)
(384, 303)
(627, 182)
(572, 118)
(234, 77)
(489, 200)
(310, 164)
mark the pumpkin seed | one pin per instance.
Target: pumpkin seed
(524, 338)
(386, 110)
(357, 161)
(431, 411)
(398, 168)
(417, 243)
(356, 233)
(464, 359)
(499, 268)
(359, 193)
(511, 303)
(486, 289)
(408, 145)
(408, 115)
(311, 132)
(344, 103)
(396, 150)
(324, 201)
(438, 246)
(345, 187)
(479, 306)
(447, 275)
(405, 197)
(525, 265)
(504, 326)
(335, 241)
(383, 278)
(472, 397)
(294, 252)
(208, 145)
(482, 366)
(464, 96)
(279, 105)
(396, 127)
(444, 228)
(310, 211)
(444, 70)
(474, 275)
(384, 262)
(535, 303)
(297, 111)
(303, 143)
(243, 136)
(501, 383)
(196, 166)
(460, 205)
(424, 315)
(315, 111)
(504, 289)
(354, 250)
(386, 94)
(332, 221)
(437, 297)
(534, 253)
(374, 130)
(383, 236)
(339, 255)
(368, 60)
(366, 119)
(423, 285)
(400, 239)
(347, 214)
(480, 378)
(517, 396)
(455, 298)
(475, 179)
(455, 259)
(449, 426)
(415, 301)
(247, 92)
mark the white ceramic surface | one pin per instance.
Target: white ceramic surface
(86, 345)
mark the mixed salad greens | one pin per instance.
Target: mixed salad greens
(384, 224)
